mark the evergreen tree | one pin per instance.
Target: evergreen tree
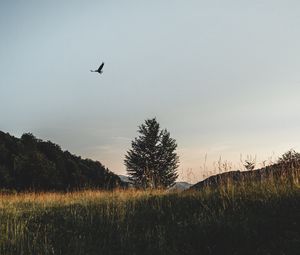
(152, 162)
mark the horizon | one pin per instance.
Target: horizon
(221, 77)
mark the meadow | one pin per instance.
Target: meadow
(260, 217)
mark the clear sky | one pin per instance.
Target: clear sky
(222, 76)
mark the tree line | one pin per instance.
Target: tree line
(28, 163)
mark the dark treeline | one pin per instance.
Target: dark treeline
(29, 163)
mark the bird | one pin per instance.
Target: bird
(99, 70)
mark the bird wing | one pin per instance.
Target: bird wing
(101, 66)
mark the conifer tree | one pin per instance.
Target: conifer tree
(152, 161)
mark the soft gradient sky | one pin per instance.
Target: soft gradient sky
(222, 76)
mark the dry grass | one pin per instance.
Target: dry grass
(46, 199)
(229, 219)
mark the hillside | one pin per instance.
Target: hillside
(274, 172)
(28, 163)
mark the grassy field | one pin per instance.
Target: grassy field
(251, 218)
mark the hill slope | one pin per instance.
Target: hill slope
(30, 163)
(272, 172)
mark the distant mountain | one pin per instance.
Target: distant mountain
(124, 178)
(181, 186)
(178, 186)
(28, 163)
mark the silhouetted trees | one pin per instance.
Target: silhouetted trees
(30, 163)
(152, 161)
(290, 157)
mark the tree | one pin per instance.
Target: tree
(290, 157)
(152, 162)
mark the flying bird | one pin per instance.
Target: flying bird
(99, 70)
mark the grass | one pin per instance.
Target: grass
(249, 218)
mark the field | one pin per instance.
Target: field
(249, 218)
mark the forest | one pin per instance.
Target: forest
(28, 163)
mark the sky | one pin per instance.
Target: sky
(222, 76)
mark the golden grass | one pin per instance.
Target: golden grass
(46, 199)
(150, 222)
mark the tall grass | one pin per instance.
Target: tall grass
(257, 217)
